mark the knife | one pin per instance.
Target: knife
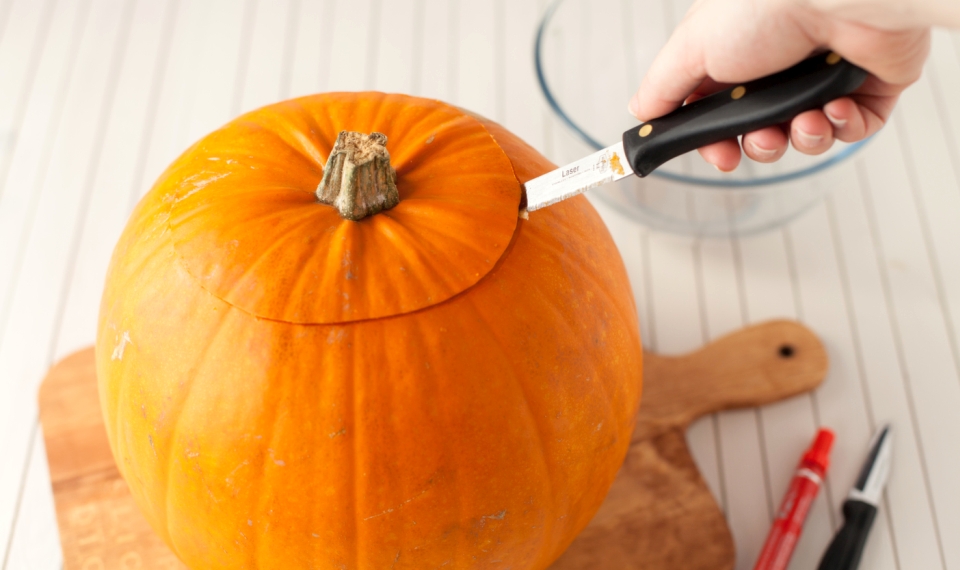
(771, 100)
(860, 508)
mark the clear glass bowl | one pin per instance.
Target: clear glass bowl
(590, 56)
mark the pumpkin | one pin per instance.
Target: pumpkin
(433, 383)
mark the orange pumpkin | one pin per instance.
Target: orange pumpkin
(438, 385)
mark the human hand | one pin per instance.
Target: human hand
(723, 42)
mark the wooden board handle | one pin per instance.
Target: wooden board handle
(659, 514)
(753, 366)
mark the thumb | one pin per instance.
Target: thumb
(676, 72)
(727, 40)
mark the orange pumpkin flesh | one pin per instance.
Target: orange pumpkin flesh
(437, 385)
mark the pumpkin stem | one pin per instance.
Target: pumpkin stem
(358, 179)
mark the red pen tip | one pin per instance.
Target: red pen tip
(819, 453)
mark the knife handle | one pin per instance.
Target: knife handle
(847, 546)
(771, 100)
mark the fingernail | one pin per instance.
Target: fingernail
(807, 139)
(836, 122)
(761, 152)
(633, 106)
(718, 168)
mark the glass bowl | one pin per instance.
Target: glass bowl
(590, 56)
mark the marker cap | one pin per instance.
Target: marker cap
(818, 456)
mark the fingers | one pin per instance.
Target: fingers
(848, 121)
(765, 145)
(875, 100)
(724, 155)
(811, 132)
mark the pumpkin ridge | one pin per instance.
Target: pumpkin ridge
(449, 454)
(354, 441)
(318, 123)
(181, 404)
(445, 236)
(438, 128)
(262, 495)
(609, 301)
(304, 144)
(292, 219)
(262, 258)
(600, 286)
(442, 108)
(120, 442)
(424, 262)
(537, 234)
(273, 133)
(407, 162)
(252, 266)
(547, 541)
(168, 470)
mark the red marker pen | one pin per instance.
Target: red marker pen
(788, 523)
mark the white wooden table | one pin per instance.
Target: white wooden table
(98, 96)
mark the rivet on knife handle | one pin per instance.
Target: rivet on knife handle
(772, 100)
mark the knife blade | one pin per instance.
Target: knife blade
(861, 505)
(740, 109)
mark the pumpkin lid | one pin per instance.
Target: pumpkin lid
(246, 222)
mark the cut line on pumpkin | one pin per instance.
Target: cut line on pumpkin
(493, 270)
(522, 206)
(508, 180)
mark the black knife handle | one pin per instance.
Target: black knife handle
(847, 546)
(771, 100)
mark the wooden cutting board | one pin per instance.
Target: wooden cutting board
(659, 513)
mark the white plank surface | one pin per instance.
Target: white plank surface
(20, 49)
(264, 54)
(923, 344)
(98, 96)
(36, 542)
(352, 45)
(26, 324)
(35, 545)
(907, 503)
